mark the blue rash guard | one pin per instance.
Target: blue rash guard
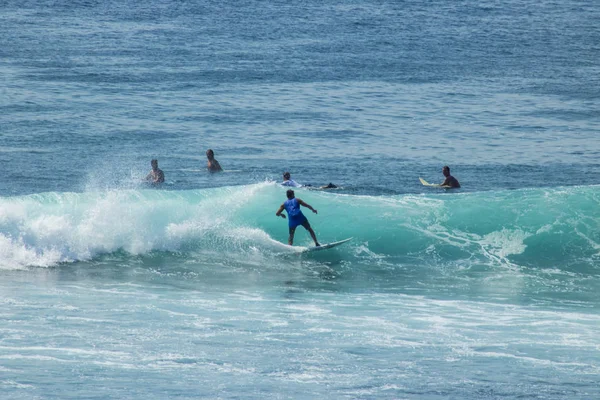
(295, 216)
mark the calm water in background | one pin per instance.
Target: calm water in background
(110, 289)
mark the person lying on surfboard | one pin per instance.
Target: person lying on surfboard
(450, 181)
(295, 216)
(288, 181)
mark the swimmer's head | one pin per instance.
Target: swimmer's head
(210, 154)
(290, 194)
(446, 170)
(286, 176)
(154, 163)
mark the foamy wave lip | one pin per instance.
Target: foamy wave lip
(47, 229)
(16, 255)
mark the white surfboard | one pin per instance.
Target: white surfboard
(425, 183)
(326, 246)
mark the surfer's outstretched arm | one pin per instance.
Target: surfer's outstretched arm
(302, 203)
(279, 212)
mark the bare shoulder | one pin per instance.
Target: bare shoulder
(216, 165)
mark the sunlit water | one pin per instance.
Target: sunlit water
(113, 289)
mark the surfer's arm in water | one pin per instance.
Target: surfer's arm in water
(306, 205)
(279, 212)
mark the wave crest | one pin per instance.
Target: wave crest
(558, 227)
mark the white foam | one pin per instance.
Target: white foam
(47, 229)
(16, 385)
(505, 242)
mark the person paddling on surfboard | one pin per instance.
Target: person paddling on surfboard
(295, 216)
(450, 181)
(288, 181)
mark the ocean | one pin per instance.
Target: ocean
(111, 288)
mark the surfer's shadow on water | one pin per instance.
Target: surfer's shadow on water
(320, 266)
(312, 257)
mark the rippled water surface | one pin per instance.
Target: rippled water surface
(114, 289)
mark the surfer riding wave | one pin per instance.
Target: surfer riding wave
(295, 216)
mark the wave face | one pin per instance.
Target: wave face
(536, 228)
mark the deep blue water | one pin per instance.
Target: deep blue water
(114, 289)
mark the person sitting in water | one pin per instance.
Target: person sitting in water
(212, 164)
(156, 175)
(295, 216)
(450, 181)
(288, 181)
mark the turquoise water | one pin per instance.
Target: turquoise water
(113, 289)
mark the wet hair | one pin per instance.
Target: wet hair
(286, 175)
(446, 168)
(154, 161)
(210, 151)
(290, 194)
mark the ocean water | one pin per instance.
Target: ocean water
(112, 289)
